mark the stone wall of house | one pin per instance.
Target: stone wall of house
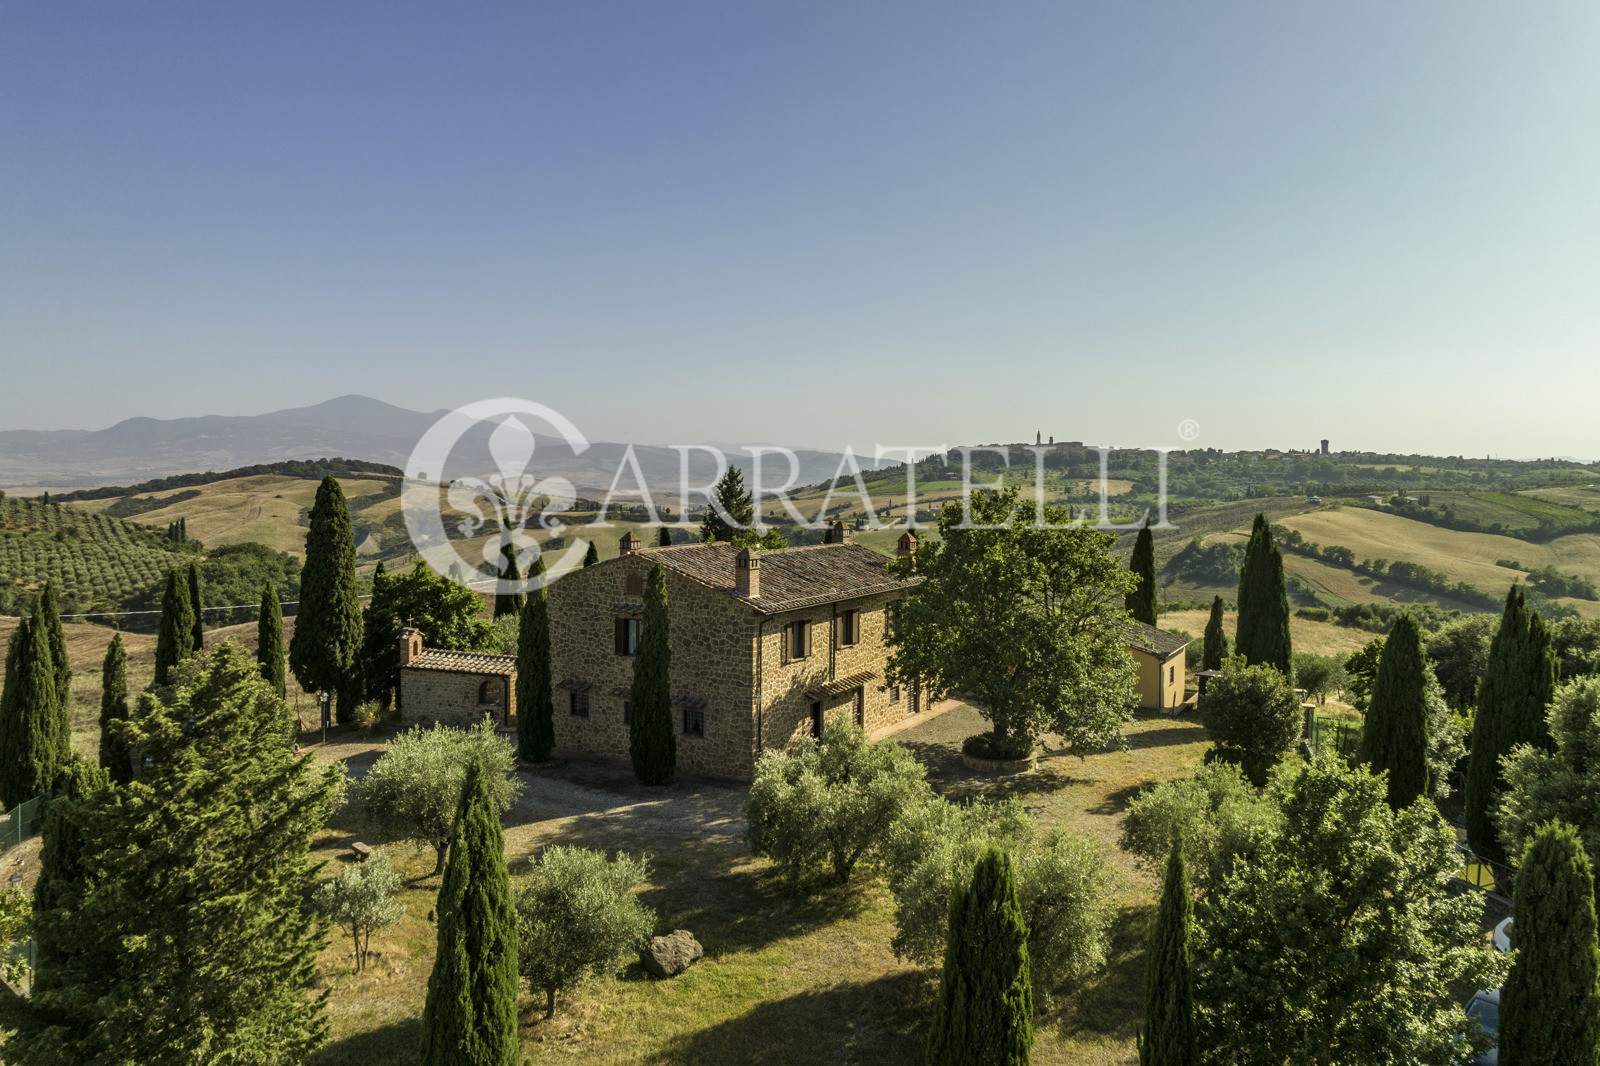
(786, 710)
(428, 696)
(711, 659)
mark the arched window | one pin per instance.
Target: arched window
(489, 691)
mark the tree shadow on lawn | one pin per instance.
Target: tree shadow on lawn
(880, 1021)
(1117, 801)
(1109, 1003)
(1193, 733)
(394, 1044)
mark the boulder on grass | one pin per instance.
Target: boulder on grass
(670, 955)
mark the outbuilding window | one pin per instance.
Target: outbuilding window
(578, 704)
(694, 722)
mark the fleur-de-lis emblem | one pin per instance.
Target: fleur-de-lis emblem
(513, 495)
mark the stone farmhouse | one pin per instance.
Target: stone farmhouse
(767, 646)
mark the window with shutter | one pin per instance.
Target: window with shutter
(805, 640)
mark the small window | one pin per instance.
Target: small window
(799, 640)
(849, 627)
(627, 712)
(627, 635)
(578, 704)
(489, 691)
(633, 585)
(894, 693)
(1172, 674)
(694, 722)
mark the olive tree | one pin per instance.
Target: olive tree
(414, 790)
(360, 900)
(579, 917)
(833, 803)
(1217, 814)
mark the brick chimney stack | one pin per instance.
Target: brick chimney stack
(837, 534)
(410, 645)
(630, 543)
(907, 545)
(747, 573)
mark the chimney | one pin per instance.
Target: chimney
(747, 573)
(837, 534)
(630, 543)
(410, 645)
(908, 545)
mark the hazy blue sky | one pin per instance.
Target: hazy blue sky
(815, 223)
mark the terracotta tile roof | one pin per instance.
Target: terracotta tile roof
(1154, 641)
(839, 686)
(790, 577)
(463, 662)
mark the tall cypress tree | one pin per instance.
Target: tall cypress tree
(199, 631)
(1533, 724)
(1168, 1038)
(652, 743)
(61, 869)
(115, 756)
(327, 627)
(470, 1017)
(1263, 633)
(1502, 700)
(175, 640)
(28, 751)
(1550, 1002)
(592, 555)
(735, 500)
(1216, 646)
(535, 708)
(663, 537)
(48, 616)
(1141, 602)
(200, 899)
(1395, 736)
(269, 640)
(508, 602)
(380, 636)
(985, 1009)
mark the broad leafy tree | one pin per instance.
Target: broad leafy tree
(327, 626)
(1026, 622)
(414, 790)
(579, 917)
(175, 638)
(535, 707)
(1217, 815)
(1338, 943)
(1550, 1003)
(190, 939)
(1168, 1038)
(470, 1015)
(448, 615)
(984, 1012)
(1254, 717)
(1216, 642)
(1263, 631)
(729, 497)
(1559, 785)
(1141, 599)
(115, 757)
(1394, 738)
(1459, 652)
(652, 744)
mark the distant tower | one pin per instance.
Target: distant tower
(1324, 447)
(1038, 437)
(1052, 438)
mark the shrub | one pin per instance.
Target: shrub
(1560, 785)
(1254, 716)
(989, 746)
(579, 917)
(1217, 814)
(832, 803)
(361, 901)
(414, 790)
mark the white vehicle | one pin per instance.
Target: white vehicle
(1485, 1007)
(1502, 936)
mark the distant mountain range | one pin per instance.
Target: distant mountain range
(354, 427)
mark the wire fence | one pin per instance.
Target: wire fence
(23, 822)
(1336, 733)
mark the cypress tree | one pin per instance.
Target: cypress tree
(535, 708)
(1263, 633)
(1141, 602)
(1395, 736)
(48, 615)
(470, 1017)
(1216, 647)
(1533, 724)
(114, 754)
(1168, 1038)
(327, 627)
(28, 751)
(175, 640)
(204, 863)
(985, 1008)
(652, 743)
(269, 640)
(740, 507)
(663, 537)
(1503, 695)
(380, 635)
(61, 870)
(591, 556)
(1550, 1002)
(508, 602)
(195, 604)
